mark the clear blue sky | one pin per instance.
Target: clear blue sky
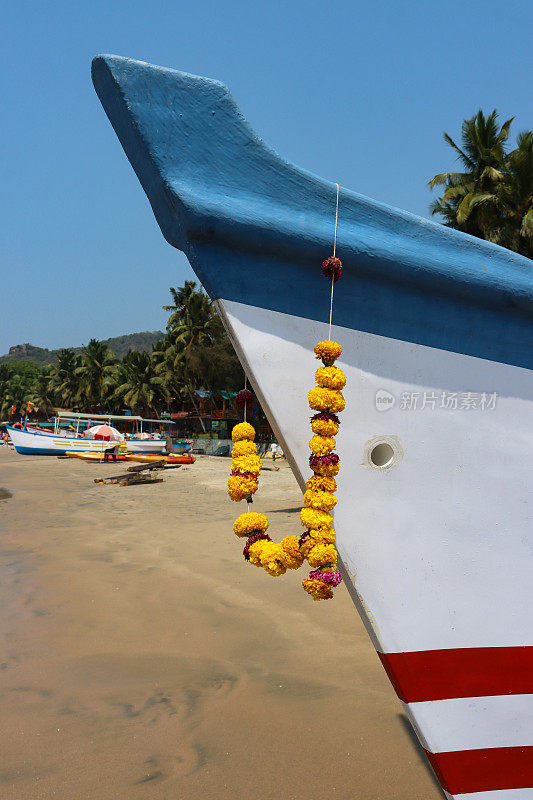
(357, 92)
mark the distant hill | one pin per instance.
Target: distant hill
(118, 344)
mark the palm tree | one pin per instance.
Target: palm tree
(171, 367)
(64, 380)
(137, 384)
(181, 297)
(508, 208)
(17, 391)
(493, 197)
(94, 374)
(44, 396)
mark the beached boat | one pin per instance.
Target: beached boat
(29, 441)
(435, 442)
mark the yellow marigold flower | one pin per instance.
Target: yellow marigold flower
(317, 589)
(322, 554)
(328, 470)
(324, 427)
(311, 518)
(243, 431)
(328, 351)
(239, 487)
(248, 523)
(256, 550)
(244, 448)
(323, 501)
(247, 464)
(321, 445)
(274, 559)
(321, 399)
(320, 484)
(315, 537)
(322, 535)
(330, 377)
(294, 558)
(306, 545)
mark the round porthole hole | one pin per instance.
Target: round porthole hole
(382, 455)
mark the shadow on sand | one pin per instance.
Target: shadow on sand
(420, 750)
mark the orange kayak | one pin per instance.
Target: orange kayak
(149, 459)
(86, 455)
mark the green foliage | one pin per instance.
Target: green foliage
(136, 384)
(16, 388)
(195, 353)
(25, 369)
(95, 373)
(493, 197)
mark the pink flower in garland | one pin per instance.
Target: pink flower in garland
(331, 578)
(250, 475)
(332, 268)
(326, 415)
(303, 537)
(244, 397)
(252, 540)
(323, 461)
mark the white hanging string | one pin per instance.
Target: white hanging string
(334, 249)
(249, 499)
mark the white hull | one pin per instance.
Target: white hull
(28, 443)
(433, 549)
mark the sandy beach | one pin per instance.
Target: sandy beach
(143, 659)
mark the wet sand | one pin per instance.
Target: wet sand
(143, 659)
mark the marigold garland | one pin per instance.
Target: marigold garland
(321, 445)
(330, 377)
(325, 424)
(311, 518)
(250, 463)
(243, 398)
(322, 554)
(244, 447)
(319, 483)
(250, 523)
(243, 430)
(241, 486)
(328, 352)
(323, 501)
(322, 399)
(317, 544)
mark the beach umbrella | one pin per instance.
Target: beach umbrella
(105, 432)
(142, 435)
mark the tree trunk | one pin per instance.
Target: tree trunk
(196, 409)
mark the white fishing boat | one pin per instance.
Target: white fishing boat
(435, 443)
(28, 441)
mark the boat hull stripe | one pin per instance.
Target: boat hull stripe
(491, 769)
(474, 723)
(464, 672)
(498, 794)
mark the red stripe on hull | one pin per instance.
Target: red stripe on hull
(484, 770)
(465, 672)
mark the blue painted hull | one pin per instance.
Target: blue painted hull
(256, 228)
(38, 451)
